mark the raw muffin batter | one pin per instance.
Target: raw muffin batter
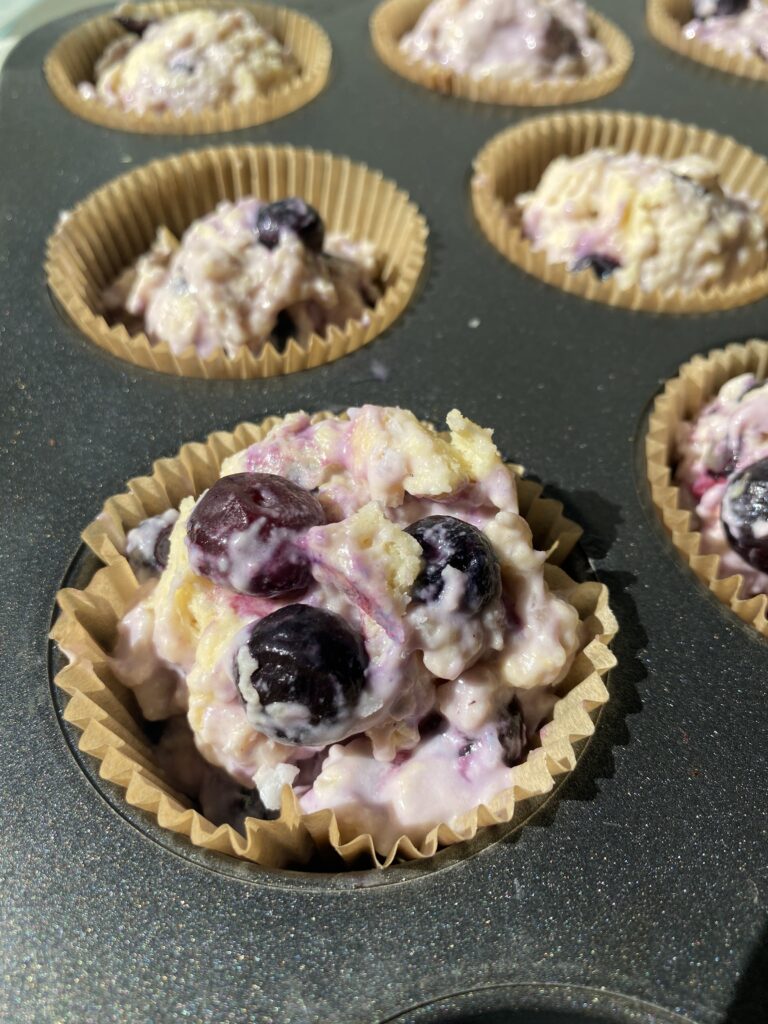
(645, 222)
(529, 39)
(355, 609)
(189, 62)
(738, 27)
(248, 273)
(723, 470)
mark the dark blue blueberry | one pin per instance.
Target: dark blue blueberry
(744, 514)
(163, 546)
(512, 735)
(304, 656)
(242, 533)
(136, 26)
(446, 541)
(601, 266)
(290, 215)
(148, 544)
(431, 725)
(727, 7)
(559, 41)
(283, 330)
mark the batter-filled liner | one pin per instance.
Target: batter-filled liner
(666, 19)
(98, 705)
(72, 61)
(683, 397)
(514, 161)
(115, 225)
(393, 18)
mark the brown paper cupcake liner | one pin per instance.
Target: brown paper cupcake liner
(101, 708)
(683, 398)
(393, 18)
(514, 161)
(116, 224)
(73, 58)
(665, 20)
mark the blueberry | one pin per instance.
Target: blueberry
(744, 514)
(727, 7)
(163, 547)
(148, 545)
(243, 533)
(290, 215)
(446, 541)
(512, 734)
(300, 673)
(431, 725)
(601, 266)
(136, 26)
(559, 41)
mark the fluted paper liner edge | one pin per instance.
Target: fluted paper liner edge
(665, 19)
(85, 630)
(393, 18)
(683, 397)
(72, 60)
(116, 224)
(514, 160)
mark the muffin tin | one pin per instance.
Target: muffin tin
(639, 892)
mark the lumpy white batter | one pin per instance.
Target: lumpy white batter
(220, 288)
(527, 39)
(661, 225)
(189, 62)
(426, 741)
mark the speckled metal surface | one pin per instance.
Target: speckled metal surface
(646, 877)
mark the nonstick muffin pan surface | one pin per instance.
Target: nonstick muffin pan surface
(645, 876)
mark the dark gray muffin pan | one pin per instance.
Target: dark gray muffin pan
(639, 893)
